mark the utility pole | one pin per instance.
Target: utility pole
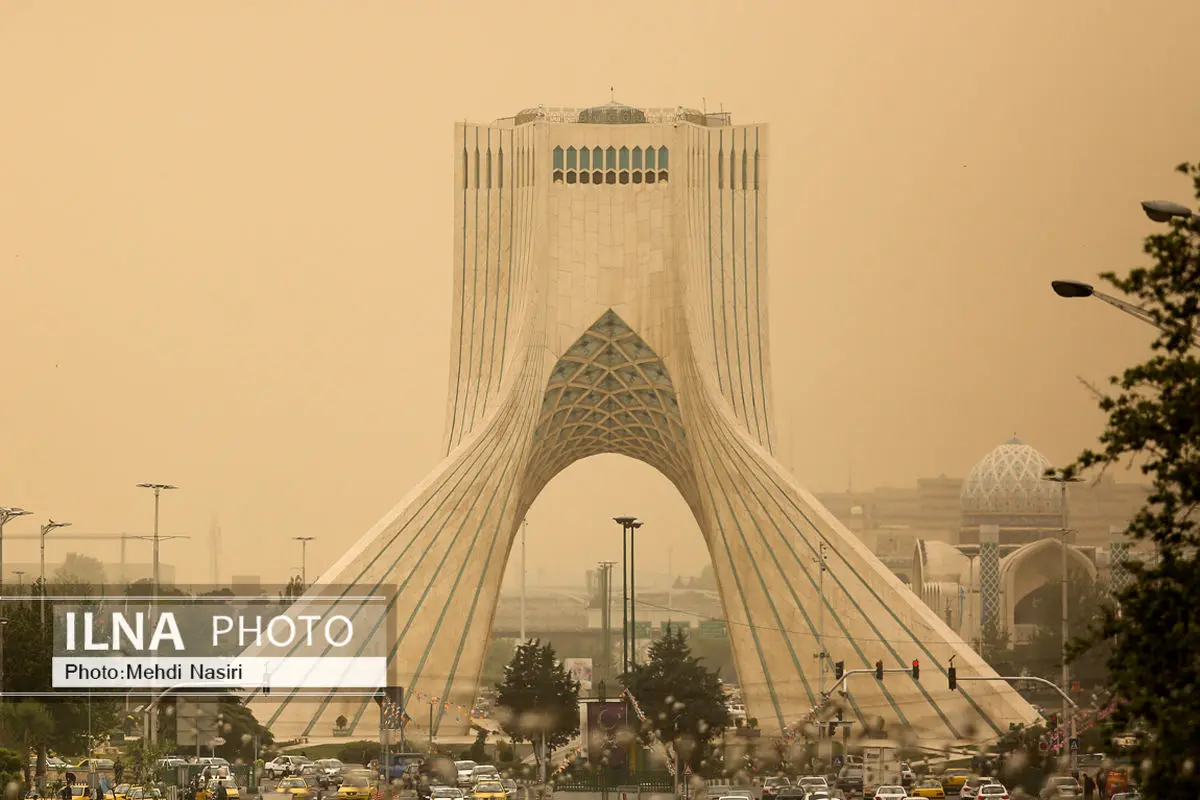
(304, 540)
(524, 573)
(821, 654)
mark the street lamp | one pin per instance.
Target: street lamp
(3, 625)
(6, 513)
(304, 540)
(158, 488)
(1076, 289)
(1062, 481)
(1165, 210)
(628, 637)
(45, 529)
(20, 573)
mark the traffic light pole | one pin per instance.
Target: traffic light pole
(1028, 679)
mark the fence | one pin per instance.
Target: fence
(615, 781)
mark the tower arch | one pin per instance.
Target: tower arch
(632, 320)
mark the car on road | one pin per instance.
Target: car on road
(992, 791)
(446, 793)
(510, 787)
(850, 779)
(810, 783)
(463, 770)
(355, 787)
(1060, 786)
(489, 790)
(971, 787)
(791, 793)
(929, 788)
(297, 787)
(328, 771)
(891, 792)
(954, 778)
(772, 785)
(907, 776)
(283, 766)
(741, 794)
(484, 772)
(231, 789)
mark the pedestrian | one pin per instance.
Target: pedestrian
(65, 792)
(222, 793)
(1089, 787)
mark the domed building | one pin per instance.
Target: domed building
(1007, 488)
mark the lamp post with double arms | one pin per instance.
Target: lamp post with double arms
(1062, 481)
(45, 529)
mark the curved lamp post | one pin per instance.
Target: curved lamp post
(1075, 289)
(1166, 210)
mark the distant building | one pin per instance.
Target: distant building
(931, 535)
(132, 572)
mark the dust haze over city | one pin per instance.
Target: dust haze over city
(228, 261)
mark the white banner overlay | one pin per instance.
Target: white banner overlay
(368, 672)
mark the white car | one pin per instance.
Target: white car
(890, 793)
(992, 791)
(464, 770)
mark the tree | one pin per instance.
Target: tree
(538, 699)
(1154, 631)
(341, 722)
(77, 568)
(682, 699)
(26, 726)
(293, 590)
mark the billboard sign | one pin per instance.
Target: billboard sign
(604, 734)
(580, 670)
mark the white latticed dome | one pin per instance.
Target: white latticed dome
(1009, 480)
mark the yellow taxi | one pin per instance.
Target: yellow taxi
(354, 787)
(489, 790)
(930, 787)
(953, 779)
(121, 792)
(298, 788)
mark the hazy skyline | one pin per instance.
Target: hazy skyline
(226, 244)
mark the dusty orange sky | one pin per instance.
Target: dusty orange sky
(225, 237)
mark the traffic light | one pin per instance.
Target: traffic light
(839, 669)
(916, 670)
(833, 726)
(879, 670)
(952, 673)
(1053, 722)
(390, 694)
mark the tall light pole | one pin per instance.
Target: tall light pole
(3, 625)
(20, 573)
(524, 573)
(158, 489)
(1062, 481)
(628, 637)
(304, 540)
(45, 529)
(822, 655)
(6, 513)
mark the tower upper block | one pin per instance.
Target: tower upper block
(610, 296)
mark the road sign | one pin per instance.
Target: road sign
(713, 629)
(217, 741)
(688, 770)
(1075, 745)
(839, 760)
(1043, 745)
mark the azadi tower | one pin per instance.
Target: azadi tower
(610, 296)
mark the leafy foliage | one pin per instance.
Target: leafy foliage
(682, 699)
(1154, 631)
(538, 698)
